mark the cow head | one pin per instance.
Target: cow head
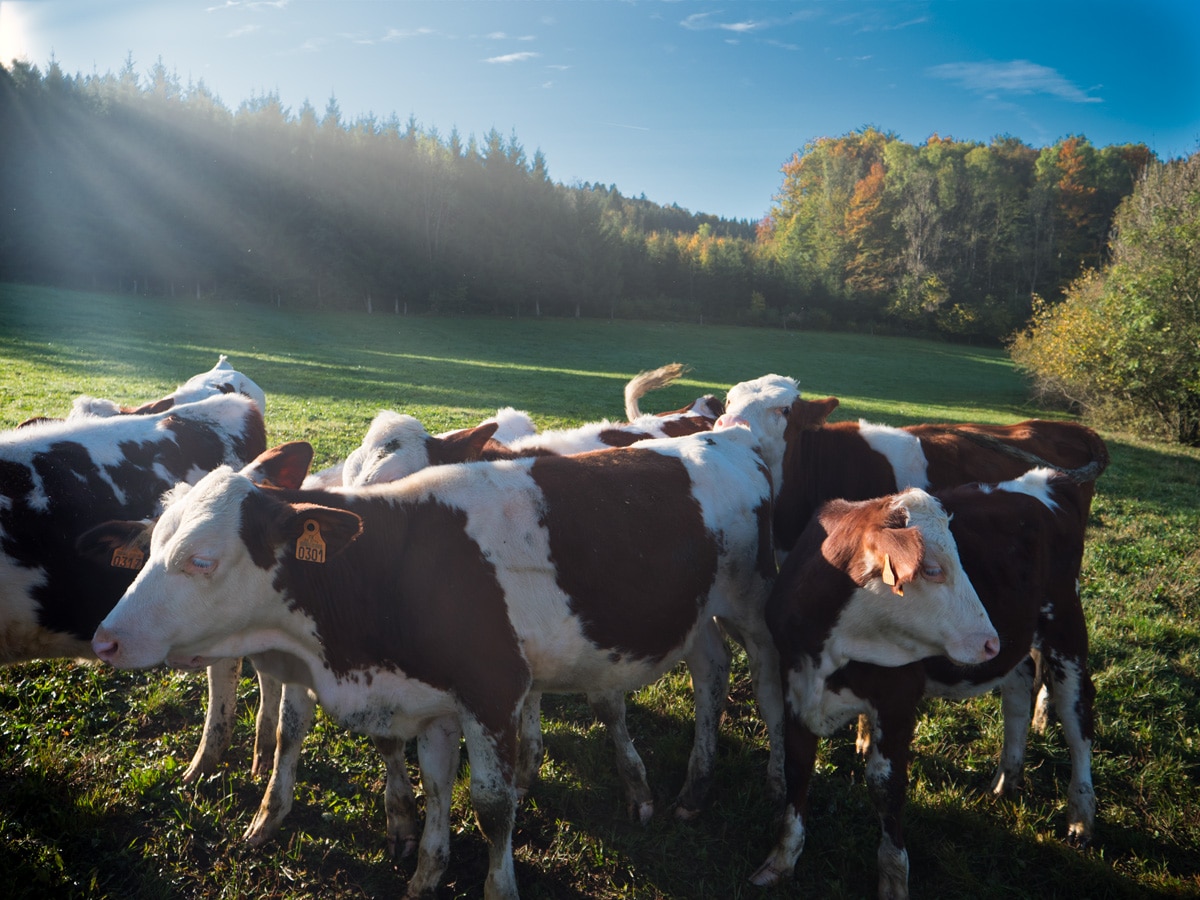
(206, 590)
(765, 404)
(913, 599)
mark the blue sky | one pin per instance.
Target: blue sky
(695, 103)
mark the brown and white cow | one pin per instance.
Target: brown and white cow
(813, 461)
(397, 445)
(1021, 544)
(222, 378)
(58, 479)
(443, 599)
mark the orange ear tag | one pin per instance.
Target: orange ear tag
(127, 557)
(889, 576)
(310, 546)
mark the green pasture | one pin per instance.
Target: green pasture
(90, 758)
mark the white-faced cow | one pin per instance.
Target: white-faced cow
(1021, 544)
(438, 602)
(397, 445)
(813, 461)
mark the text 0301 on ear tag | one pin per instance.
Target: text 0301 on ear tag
(310, 546)
(127, 558)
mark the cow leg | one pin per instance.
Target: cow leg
(296, 712)
(763, 658)
(218, 719)
(437, 756)
(530, 748)
(709, 660)
(1074, 698)
(609, 708)
(887, 779)
(398, 798)
(1015, 693)
(800, 752)
(494, 799)
(266, 723)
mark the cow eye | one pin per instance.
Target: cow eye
(934, 572)
(785, 411)
(200, 565)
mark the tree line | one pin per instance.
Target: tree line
(144, 183)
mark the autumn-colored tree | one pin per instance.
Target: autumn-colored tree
(1130, 334)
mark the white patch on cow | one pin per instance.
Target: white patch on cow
(902, 451)
(513, 424)
(1036, 484)
(765, 403)
(94, 407)
(822, 710)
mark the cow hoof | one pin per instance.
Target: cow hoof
(766, 876)
(686, 814)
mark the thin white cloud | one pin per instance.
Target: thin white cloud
(558, 67)
(630, 127)
(403, 34)
(249, 4)
(512, 57)
(243, 31)
(707, 21)
(1020, 77)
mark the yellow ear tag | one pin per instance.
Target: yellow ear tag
(127, 557)
(310, 546)
(889, 575)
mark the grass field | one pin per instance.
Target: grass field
(90, 758)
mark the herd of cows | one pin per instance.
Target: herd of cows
(434, 587)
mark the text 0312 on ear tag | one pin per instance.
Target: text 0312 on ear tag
(310, 546)
(127, 558)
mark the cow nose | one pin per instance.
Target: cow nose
(991, 647)
(728, 420)
(104, 645)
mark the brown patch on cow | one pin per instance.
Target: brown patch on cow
(823, 463)
(686, 425)
(413, 594)
(629, 544)
(615, 437)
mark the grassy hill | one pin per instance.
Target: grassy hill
(90, 803)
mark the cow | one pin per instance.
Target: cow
(222, 378)
(59, 478)
(812, 461)
(1021, 544)
(395, 446)
(433, 605)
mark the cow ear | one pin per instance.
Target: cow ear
(895, 555)
(285, 466)
(320, 532)
(121, 545)
(462, 446)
